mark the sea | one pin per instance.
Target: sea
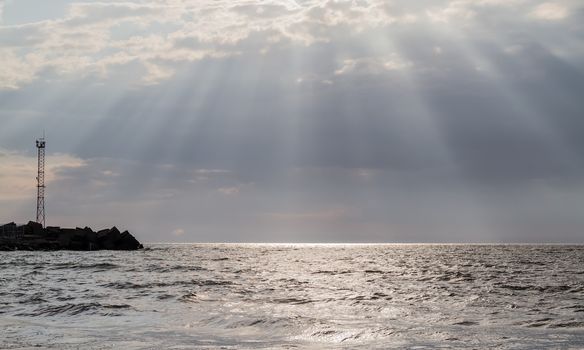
(295, 296)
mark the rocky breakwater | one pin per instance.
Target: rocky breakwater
(33, 236)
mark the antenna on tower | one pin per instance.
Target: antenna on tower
(40, 212)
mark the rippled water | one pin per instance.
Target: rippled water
(295, 296)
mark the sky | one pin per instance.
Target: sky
(297, 120)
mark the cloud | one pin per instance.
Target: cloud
(178, 232)
(98, 12)
(268, 11)
(212, 171)
(157, 73)
(329, 215)
(549, 11)
(372, 65)
(229, 191)
(89, 41)
(19, 170)
(14, 71)
(2, 5)
(150, 40)
(455, 10)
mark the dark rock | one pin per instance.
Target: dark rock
(128, 242)
(33, 236)
(36, 228)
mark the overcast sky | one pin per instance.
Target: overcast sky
(297, 120)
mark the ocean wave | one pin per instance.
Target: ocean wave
(78, 309)
(102, 266)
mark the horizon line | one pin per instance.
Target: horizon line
(372, 243)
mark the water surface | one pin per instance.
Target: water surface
(223, 296)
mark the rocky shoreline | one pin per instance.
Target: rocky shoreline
(33, 236)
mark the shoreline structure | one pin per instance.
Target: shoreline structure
(33, 236)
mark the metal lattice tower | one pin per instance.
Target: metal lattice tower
(40, 212)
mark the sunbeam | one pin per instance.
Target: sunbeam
(300, 120)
